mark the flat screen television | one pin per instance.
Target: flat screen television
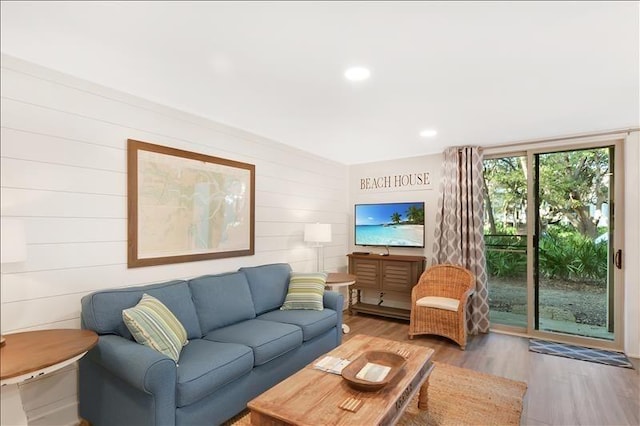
(390, 224)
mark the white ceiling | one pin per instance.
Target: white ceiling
(480, 73)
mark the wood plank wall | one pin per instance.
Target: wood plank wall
(63, 170)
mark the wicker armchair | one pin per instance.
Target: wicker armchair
(439, 303)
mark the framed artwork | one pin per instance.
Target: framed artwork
(184, 206)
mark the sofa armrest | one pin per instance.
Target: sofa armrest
(139, 366)
(123, 382)
(333, 300)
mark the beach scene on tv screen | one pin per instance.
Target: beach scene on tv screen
(396, 224)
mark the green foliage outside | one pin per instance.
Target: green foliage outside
(506, 254)
(569, 255)
(570, 184)
(564, 254)
(573, 185)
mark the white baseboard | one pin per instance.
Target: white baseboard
(60, 413)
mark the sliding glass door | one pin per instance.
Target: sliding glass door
(505, 194)
(552, 243)
(575, 287)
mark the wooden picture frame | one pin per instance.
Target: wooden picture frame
(184, 206)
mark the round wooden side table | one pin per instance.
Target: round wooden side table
(32, 354)
(335, 280)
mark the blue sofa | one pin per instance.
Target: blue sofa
(240, 344)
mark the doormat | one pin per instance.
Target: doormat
(581, 353)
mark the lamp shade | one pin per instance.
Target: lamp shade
(317, 233)
(13, 246)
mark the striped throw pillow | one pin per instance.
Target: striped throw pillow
(306, 291)
(154, 325)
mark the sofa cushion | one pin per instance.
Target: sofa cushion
(102, 310)
(268, 284)
(205, 366)
(306, 291)
(153, 325)
(313, 323)
(222, 300)
(268, 339)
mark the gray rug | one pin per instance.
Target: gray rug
(581, 353)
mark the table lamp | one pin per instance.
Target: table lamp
(13, 244)
(318, 233)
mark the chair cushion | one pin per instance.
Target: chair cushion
(268, 285)
(313, 323)
(268, 339)
(439, 303)
(205, 366)
(221, 300)
(152, 324)
(306, 291)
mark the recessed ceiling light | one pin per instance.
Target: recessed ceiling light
(428, 133)
(357, 73)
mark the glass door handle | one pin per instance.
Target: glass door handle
(617, 259)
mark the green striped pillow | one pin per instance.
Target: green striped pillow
(154, 325)
(306, 291)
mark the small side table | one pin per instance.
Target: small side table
(32, 354)
(335, 280)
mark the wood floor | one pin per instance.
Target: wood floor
(560, 391)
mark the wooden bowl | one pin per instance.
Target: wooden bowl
(389, 359)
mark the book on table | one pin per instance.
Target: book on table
(331, 364)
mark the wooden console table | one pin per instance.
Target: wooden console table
(32, 354)
(393, 274)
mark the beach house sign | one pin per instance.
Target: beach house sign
(396, 182)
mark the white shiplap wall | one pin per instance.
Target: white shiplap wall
(63, 170)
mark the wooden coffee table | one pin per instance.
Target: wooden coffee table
(313, 397)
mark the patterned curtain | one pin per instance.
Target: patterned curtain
(459, 237)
